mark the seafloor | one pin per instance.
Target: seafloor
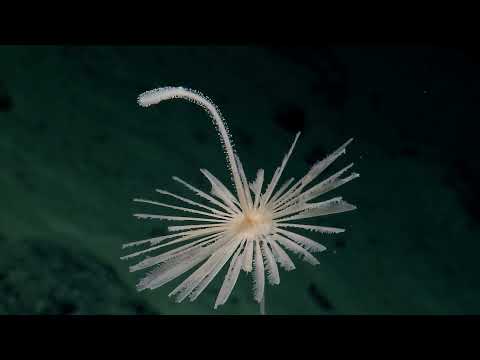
(75, 149)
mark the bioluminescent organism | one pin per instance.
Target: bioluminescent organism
(250, 228)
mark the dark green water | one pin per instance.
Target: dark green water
(75, 149)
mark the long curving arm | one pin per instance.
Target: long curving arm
(155, 96)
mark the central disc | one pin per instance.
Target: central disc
(252, 224)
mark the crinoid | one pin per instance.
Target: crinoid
(250, 228)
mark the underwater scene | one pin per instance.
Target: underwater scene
(239, 180)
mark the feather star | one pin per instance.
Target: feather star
(250, 228)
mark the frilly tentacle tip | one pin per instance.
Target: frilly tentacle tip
(141, 287)
(141, 100)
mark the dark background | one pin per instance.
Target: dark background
(75, 148)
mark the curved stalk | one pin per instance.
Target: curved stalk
(166, 93)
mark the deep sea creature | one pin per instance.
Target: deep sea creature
(250, 227)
